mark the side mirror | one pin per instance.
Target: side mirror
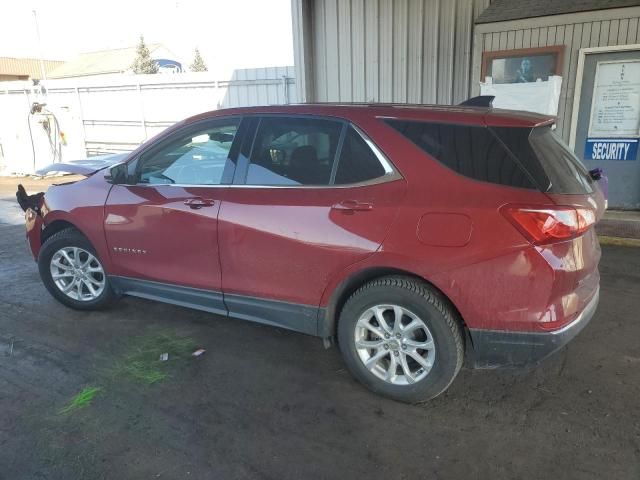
(117, 174)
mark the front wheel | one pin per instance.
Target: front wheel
(400, 338)
(72, 272)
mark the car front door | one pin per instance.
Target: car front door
(313, 197)
(161, 227)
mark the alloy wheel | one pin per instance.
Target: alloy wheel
(77, 273)
(394, 344)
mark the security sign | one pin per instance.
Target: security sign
(611, 149)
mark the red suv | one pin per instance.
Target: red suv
(414, 235)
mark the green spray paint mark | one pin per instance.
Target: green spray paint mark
(81, 400)
(142, 362)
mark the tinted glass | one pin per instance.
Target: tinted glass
(293, 151)
(469, 150)
(198, 156)
(548, 159)
(358, 163)
(566, 172)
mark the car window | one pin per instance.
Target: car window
(293, 151)
(358, 163)
(199, 156)
(548, 159)
(472, 151)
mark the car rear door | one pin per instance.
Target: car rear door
(162, 227)
(313, 196)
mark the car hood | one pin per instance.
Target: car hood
(86, 167)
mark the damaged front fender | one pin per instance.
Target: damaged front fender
(33, 223)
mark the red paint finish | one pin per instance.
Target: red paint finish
(286, 243)
(444, 229)
(300, 244)
(164, 233)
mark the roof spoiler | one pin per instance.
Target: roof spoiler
(479, 101)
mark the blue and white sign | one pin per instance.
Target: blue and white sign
(611, 149)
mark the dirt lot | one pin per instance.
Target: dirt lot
(265, 403)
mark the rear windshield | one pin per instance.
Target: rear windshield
(551, 163)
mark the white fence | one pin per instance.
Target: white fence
(116, 113)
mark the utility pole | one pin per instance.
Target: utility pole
(43, 72)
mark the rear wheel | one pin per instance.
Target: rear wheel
(401, 339)
(72, 272)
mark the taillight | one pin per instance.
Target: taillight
(549, 224)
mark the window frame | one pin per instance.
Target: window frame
(391, 172)
(134, 166)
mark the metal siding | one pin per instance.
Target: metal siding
(344, 53)
(632, 33)
(431, 42)
(415, 51)
(446, 51)
(462, 55)
(526, 38)
(372, 52)
(319, 52)
(400, 47)
(622, 31)
(535, 35)
(385, 48)
(358, 81)
(333, 54)
(518, 39)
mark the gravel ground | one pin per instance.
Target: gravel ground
(264, 403)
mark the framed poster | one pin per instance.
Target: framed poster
(522, 65)
(615, 104)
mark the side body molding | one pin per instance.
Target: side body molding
(292, 316)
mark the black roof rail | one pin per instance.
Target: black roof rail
(479, 101)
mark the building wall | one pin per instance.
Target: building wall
(415, 51)
(575, 31)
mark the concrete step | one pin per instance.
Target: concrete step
(620, 223)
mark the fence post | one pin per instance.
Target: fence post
(143, 121)
(81, 113)
(285, 85)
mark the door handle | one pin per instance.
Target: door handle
(353, 206)
(198, 202)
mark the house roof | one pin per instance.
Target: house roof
(504, 10)
(105, 61)
(26, 66)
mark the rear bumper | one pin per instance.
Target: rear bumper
(495, 348)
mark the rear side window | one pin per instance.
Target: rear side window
(293, 151)
(474, 152)
(357, 161)
(548, 159)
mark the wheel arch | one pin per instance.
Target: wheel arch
(328, 326)
(55, 227)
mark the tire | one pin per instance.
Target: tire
(92, 273)
(439, 333)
